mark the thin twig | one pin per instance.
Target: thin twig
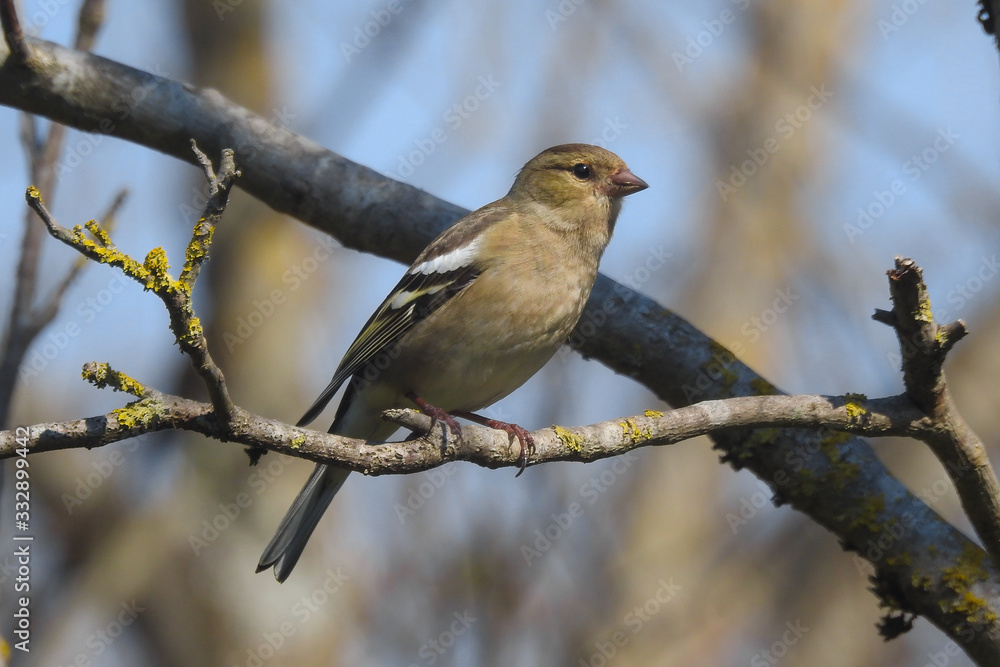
(54, 300)
(89, 22)
(26, 319)
(219, 188)
(12, 32)
(152, 274)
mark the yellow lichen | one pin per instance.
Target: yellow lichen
(571, 440)
(974, 609)
(297, 441)
(653, 414)
(193, 333)
(104, 251)
(201, 241)
(156, 266)
(129, 385)
(966, 572)
(137, 413)
(632, 431)
(854, 404)
(100, 234)
(102, 375)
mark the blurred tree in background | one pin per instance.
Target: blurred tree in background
(792, 150)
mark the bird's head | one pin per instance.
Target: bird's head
(579, 185)
(571, 172)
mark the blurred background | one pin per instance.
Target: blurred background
(792, 150)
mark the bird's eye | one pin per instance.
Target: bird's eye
(581, 171)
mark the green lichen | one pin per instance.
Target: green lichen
(830, 444)
(762, 387)
(842, 472)
(868, 514)
(571, 440)
(902, 560)
(759, 437)
(924, 312)
(921, 581)
(714, 365)
(297, 441)
(966, 572)
(807, 484)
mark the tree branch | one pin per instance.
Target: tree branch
(152, 273)
(12, 33)
(26, 320)
(486, 447)
(924, 344)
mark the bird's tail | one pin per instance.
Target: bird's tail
(288, 542)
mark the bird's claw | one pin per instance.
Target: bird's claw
(523, 437)
(437, 415)
(512, 430)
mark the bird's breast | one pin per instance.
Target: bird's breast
(482, 344)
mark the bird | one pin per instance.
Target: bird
(482, 308)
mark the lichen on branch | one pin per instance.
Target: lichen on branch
(94, 242)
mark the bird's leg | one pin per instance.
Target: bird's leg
(513, 430)
(437, 415)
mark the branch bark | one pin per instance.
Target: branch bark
(923, 564)
(924, 344)
(486, 447)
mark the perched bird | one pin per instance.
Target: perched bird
(480, 311)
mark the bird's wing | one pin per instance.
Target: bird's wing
(443, 270)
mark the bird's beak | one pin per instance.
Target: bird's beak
(624, 182)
